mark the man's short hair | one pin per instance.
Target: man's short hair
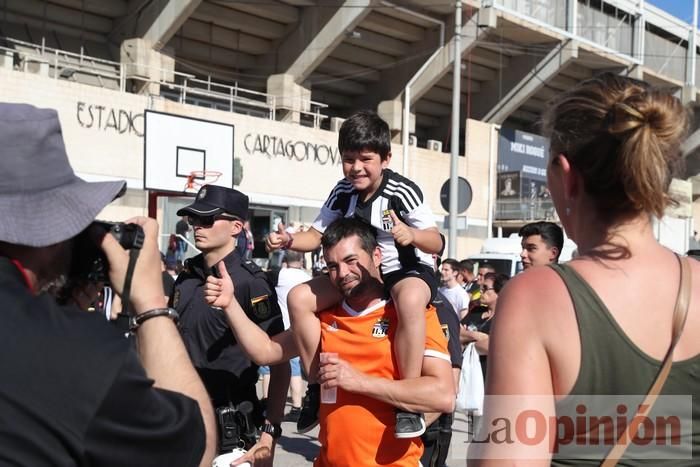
(453, 263)
(499, 280)
(552, 235)
(291, 256)
(347, 227)
(487, 266)
(466, 265)
(365, 130)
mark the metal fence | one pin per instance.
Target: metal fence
(180, 87)
(525, 210)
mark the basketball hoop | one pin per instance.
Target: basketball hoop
(197, 178)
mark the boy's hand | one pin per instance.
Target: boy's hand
(402, 233)
(276, 240)
(219, 292)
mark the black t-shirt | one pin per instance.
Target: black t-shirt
(477, 322)
(73, 392)
(168, 283)
(226, 370)
(450, 326)
(182, 227)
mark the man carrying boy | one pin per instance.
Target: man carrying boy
(364, 374)
(407, 237)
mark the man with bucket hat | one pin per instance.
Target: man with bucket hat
(73, 390)
(217, 216)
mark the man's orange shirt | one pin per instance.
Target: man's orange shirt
(358, 430)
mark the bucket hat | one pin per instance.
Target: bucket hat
(42, 201)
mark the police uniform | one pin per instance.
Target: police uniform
(228, 374)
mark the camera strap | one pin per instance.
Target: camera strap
(133, 256)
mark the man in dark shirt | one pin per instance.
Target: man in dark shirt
(181, 229)
(438, 435)
(73, 390)
(217, 216)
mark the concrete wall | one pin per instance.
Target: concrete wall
(103, 130)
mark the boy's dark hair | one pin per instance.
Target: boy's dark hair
(347, 227)
(552, 235)
(489, 266)
(499, 280)
(365, 130)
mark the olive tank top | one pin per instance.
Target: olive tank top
(614, 377)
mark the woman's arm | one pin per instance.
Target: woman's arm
(519, 380)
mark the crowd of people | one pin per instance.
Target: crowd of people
(379, 334)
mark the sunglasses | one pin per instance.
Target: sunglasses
(208, 221)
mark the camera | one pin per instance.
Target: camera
(89, 263)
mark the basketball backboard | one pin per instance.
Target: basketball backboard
(179, 150)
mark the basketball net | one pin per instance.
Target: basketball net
(197, 178)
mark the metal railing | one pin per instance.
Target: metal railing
(174, 85)
(61, 64)
(525, 210)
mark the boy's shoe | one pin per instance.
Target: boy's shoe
(409, 425)
(308, 416)
(293, 414)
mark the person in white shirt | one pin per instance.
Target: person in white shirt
(291, 274)
(451, 288)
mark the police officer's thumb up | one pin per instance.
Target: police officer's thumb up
(218, 292)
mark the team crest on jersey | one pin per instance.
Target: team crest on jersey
(333, 327)
(445, 331)
(387, 221)
(380, 328)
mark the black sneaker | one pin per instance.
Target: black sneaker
(293, 414)
(308, 416)
(409, 425)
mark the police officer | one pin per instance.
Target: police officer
(217, 217)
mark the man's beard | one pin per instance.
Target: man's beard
(56, 287)
(363, 285)
(54, 277)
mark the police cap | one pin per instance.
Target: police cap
(212, 200)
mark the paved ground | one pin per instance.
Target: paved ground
(295, 450)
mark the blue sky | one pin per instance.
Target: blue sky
(682, 9)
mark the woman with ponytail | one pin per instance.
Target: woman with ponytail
(575, 348)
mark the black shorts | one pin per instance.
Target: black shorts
(420, 271)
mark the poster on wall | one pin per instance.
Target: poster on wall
(509, 185)
(519, 151)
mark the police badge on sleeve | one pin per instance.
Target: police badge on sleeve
(260, 306)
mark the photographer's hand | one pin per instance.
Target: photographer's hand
(147, 283)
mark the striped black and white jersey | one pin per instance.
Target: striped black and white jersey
(395, 192)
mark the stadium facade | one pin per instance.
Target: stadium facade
(282, 74)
